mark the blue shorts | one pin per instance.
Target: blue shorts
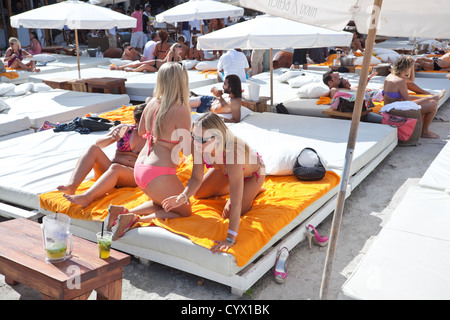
(205, 103)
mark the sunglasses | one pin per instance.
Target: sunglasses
(201, 140)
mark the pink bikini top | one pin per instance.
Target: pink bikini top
(152, 138)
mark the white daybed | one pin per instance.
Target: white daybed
(138, 86)
(410, 257)
(20, 185)
(58, 105)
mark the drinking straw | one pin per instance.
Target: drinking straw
(103, 223)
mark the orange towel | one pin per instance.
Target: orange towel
(284, 199)
(324, 100)
(9, 75)
(124, 114)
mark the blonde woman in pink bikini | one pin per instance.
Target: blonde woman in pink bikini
(166, 116)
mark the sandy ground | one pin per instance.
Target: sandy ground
(365, 212)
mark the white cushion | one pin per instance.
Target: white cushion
(300, 81)
(39, 87)
(5, 87)
(120, 62)
(244, 112)
(374, 60)
(189, 64)
(207, 65)
(44, 57)
(389, 57)
(289, 74)
(20, 89)
(3, 105)
(312, 90)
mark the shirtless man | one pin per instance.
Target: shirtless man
(129, 53)
(434, 64)
(217, 104)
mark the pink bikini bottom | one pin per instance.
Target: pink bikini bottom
(144, 174)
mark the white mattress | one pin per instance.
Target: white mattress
(308, 107)
(61, 105)
(328, 137)
(437, 175)
(62, 63)
(432, 75)
(39, 162)
(410, 257)
(139, 85)
(16, 134)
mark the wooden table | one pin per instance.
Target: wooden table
(59, 83)
(257, 106)
(343, 115)
(22, 260)
(105, 85)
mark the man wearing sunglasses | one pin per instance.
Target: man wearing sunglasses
(217, 103)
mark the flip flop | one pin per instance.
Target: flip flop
(118, 232)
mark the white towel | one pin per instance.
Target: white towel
(400, 105)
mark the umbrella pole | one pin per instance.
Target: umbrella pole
(337, 218)
(78, 53)
(271, 79)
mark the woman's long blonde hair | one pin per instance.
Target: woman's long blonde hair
(172, 87)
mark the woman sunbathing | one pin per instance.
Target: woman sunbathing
(166, 123)
(435, 63)
(15, 54)
(117, 172)
(235, 169)
(396, 89)
(162, 47)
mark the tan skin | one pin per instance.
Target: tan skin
(131, 54)
(428, 64)
(13, 51)
(216, 183)
(161, 49)
(399, 83)
(164, 186)
(231, 105)
(118, 172)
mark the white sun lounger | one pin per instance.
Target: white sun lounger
(138, 86)
(410, 257)
(22, 186)
(56, 105)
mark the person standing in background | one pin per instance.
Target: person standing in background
(138, 39)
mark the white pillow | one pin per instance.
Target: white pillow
(20, 89)
(244, 112)
(207, 65)
(120, 62)
(374, 60)
(43, 57)
(189, 64)
(3, 105)
(379, 51)
(300, 81)
(289, 74)
(389, 57)
(312, 90)
(39, 87)
(5, 87)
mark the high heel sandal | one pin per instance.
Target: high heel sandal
(113, 213)
(315, 237)
(281, 264)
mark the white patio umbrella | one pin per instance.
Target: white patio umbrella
(199, 10)
(397, 18)
(75, 15)
(269, 32)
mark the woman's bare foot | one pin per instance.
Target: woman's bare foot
(67, 189)
(124, 223)
(79, 199)
(429, 135)
(113, 214)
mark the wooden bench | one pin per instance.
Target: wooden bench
(257, 106)
(105, 85)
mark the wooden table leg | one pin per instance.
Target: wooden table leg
(112, 291)
(10, 281)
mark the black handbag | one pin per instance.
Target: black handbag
(97, 123)
(309, 173)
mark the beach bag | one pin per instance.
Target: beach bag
(97, 123)
(280, 108)
(309, 166)
(415, 136)
(405, 126)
